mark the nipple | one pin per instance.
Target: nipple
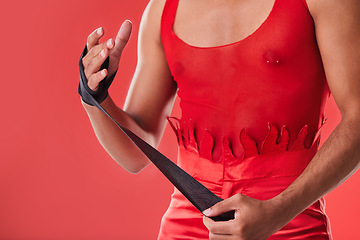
(272, 58)
(273, 62)
(178, 68)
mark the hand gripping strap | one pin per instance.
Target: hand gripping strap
(102, 92)
(201, 197)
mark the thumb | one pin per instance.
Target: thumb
(122, 38)
(223, 206)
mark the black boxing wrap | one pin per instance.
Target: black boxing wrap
(201, 197)
(102, 92)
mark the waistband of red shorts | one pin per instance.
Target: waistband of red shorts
(284, 164)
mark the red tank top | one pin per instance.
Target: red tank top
(265, 93)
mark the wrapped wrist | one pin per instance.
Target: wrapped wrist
(102, 92)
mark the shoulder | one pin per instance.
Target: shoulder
(336, 17)
(333, 8)
(151, 19)
(154, 10)
(338, 36)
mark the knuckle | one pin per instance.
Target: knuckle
(89, 38)
(101, 75)
(92, 51)
(96, 50)
(87, 75)
(238, 229)
(91, 64)
(102, 54)
(238, 196)
(215, 230)
(218, 206)
(86, 71)
(212, 228)
(123, 41)
(85, 61)
(91, 69)
(92, 83)
(204, 221)
(100, 58)
(88, 66)
(104, 45)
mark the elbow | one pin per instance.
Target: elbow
(350, 114)
(134, 168)
(351, 120)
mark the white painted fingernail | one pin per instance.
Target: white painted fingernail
(99, 31)
(109, 43)
(102, 53)
(103, 73)
(207, 212)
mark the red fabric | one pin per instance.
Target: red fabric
(251, 115)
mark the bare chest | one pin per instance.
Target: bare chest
(208, 23)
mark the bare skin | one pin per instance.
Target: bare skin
(338, 35)
(152, 94)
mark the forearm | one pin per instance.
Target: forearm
(114, 141)
(335, 161)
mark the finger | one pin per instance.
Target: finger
(226, 205)
(122, 38)
(95, 64)
(213, 236)
(94, 37)
(96, 78)
(109, 44)
(221, 227)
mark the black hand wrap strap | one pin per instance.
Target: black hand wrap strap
(102, 92)
(201, 197)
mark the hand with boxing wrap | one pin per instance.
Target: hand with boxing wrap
(99, 62)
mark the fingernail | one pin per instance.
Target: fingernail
(102, 53)
(99, 31)
(109, 43)
(103, 72)
(207, 212)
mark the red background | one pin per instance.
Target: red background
(56, 182)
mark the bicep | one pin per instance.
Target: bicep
(337, 26)
(152, 91)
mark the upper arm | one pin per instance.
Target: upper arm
(337, 24)
(152, 91)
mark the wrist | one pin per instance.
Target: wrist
(281, 210)
(105, 104)
(88, 95)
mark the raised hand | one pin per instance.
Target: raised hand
(97, 54)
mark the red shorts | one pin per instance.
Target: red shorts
(261, 177)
